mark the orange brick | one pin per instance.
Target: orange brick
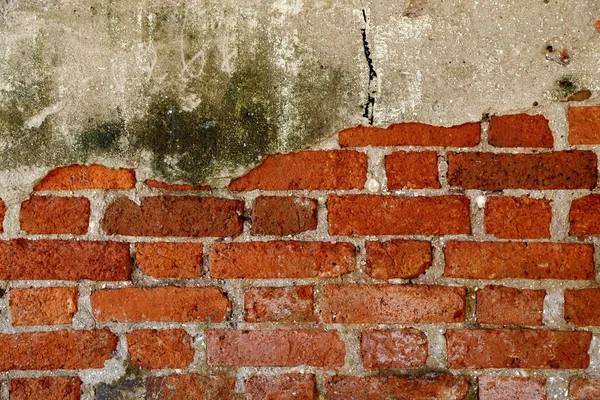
(279, 304)
(393, 348)
(398, 259)
(43, 306)
(79, 177)
(511, 388)
(280, 216)
(412, 170)
(584, 389)
(517, 217)
(184, 387)
(288, 386)
(48, 215)
(55, 387)
(584, 125)
(170, 260)
(503, 305)
(581, 306)
(307, 170)
(152, 349)
(520, 130)
(584, 217)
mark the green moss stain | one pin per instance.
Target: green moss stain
(103, 138)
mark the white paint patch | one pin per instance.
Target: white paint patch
(481, 201)
(37, 120)
(373, 185)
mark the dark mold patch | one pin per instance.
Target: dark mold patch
(103, 138)
(565, 87)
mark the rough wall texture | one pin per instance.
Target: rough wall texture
(312, 277)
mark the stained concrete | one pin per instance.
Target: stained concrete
(199, 91)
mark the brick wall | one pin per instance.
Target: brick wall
(410, 262)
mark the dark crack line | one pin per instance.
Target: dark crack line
(370, 104)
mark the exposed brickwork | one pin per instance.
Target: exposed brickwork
(501, 305)
(309, 170)
(496, 260)
(57, 215)
(170, 260)
(395, 348)
(43, 306)
(80, 177)
(290, 386)
(511, 388)
(584, 389)
(59, 387)
(182, 387)
(489, 171)
(584, 125)
(154, 349)
(278, 259)
(581, 306)
(391, 215)
(412, 134)
(281, 216)
(174, 216)
(517, 217)
(2, 213)
(283, 305)
(412, 170)
(584, 216)
(520, 130)
(398, 259)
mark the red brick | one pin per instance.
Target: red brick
(281, 259)
(412, 134)
(398, 259)
(394, 348)
(500, 260)
(43, 306)
(501, 305)
(277, 348)
(581, 306)
(517, 348)
(391, 215)
(170, 260)
(80, 177)
(489, 171)
(597, 24)
(427, 387)
(2, 213)
(152, 349)
(175, 216)
(584, 217)
(307, 170)
(64, 260)
(48, 388)
(151, 183)
(166, 304)
(511, 388)
(584, 125)
(186, 387)
(520, 130)
(393, 304)
(584, 389)
(412, 170)
(48, 215)
(279, 304)
(67, 349)
(281, 387)
(517, 217)
(276, 215)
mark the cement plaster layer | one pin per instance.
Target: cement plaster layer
(194, 91)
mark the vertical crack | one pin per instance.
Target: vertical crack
(372, 87)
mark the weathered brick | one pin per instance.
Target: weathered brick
(500, 260)
(170, 260)
(511, 388)
(391, 215)
(393, 348)
(412, 134)
(281, 259)
(2, 213)
(153, 349)
(80, 177)
(277, 215)
(398, 259)
(584, 389)
(584, 216)
(47, 388)
(67, 349)
(64, 260)
(584, 125)
(517, 217)
(307, 170)
(503, 305)
(167, 304)
(427, 387)
(520, 130)
(48, 215)
(186, 387)
(281, 387)
(151, 183)
(283, 348)
(43, 306)
(393, 304)
(412, 170)
(581, 306)
(175, 216)
(517, 348)
(490, 171)
(279, 304)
